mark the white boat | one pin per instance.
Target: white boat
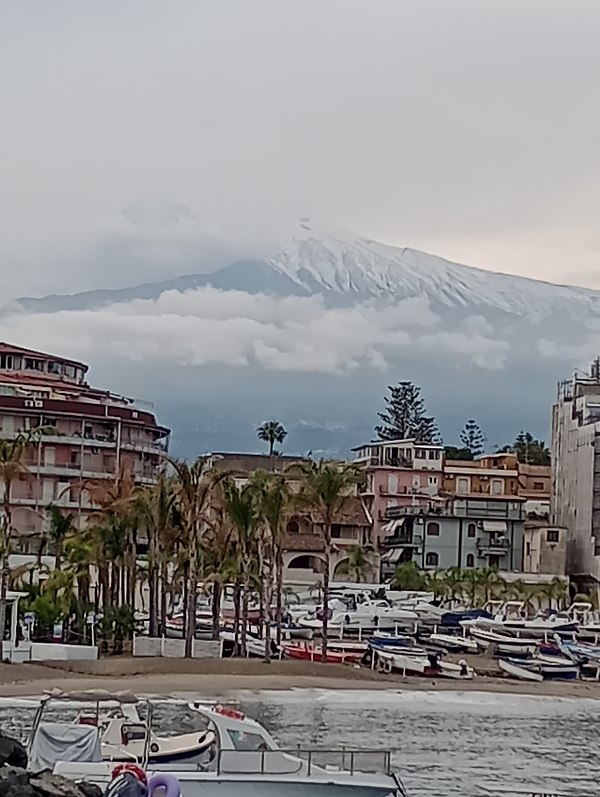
(368, 615)
(121, 734)
(512, 616)
(549, 672)
(428, 665)
(519, 671)
(504, 643)
(245, 759)
(451, 642)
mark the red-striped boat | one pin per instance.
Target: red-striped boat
(311, 653)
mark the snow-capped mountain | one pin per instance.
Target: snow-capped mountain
(312, 335)
(346, 268)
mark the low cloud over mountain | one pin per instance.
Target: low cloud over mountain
(341, 316)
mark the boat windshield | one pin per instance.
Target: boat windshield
(252, 742)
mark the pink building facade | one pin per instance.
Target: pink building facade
(399, 473)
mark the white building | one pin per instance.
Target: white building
(576, 471)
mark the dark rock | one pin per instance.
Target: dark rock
(48, 785)
(89, 789)
(12, 752)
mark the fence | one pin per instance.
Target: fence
(174, 648)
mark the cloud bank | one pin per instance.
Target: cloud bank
(208, 326)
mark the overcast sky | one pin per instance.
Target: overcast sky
(138, 133)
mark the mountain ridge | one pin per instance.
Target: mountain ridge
(350, 269)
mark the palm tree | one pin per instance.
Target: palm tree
(407, 576)
(195, 485)
(156, 509)
(326, 488)
(60, 528)
(12, 465)
(357, 565)
(275, 507)
(271, 432)
(242, 508)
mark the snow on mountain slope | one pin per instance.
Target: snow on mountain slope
(347, 264)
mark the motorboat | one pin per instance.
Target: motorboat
(550, 671)
(453, 643)
(368, 615)
(512, 616)
(519, 671)
(425, 664)
(122, 735)
(244, 758)
(503, 643)
(337, 652)
(587, 618)
(387, 639)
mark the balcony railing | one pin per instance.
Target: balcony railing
(402, 541)
(498, 547)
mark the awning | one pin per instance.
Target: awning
(392, 556)
(496, 526)
(391, 527)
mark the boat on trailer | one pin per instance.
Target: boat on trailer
(243, 758)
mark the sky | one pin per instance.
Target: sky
(142, 139)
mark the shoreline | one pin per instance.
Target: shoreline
(213, 678)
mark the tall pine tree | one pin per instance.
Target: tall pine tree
(473, 438)
(404, 416)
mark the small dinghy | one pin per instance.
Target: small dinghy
(504, 643)
(519, 671)
(311, 653)
(452, 643)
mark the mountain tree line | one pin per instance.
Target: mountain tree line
(405, 417)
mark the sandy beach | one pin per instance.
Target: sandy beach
(222, 677)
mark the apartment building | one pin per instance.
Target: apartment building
(399, 473)
(91, 434)
(462, 531)
(575, 502)
(303, 556)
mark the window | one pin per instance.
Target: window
(471, 530)
(392, 483)
(432, 559)
(470, 560)
(527, 549)
(70, 372)
(252, 742)
(538, 485)
(433, 480)
(292, 527)
(463, 485)
(54, 368)
(6, 361)
(34, 365)
(433, 530)
(419, 454)
(497, 487)
(552, 535)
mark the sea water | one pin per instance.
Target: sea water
(443, 743)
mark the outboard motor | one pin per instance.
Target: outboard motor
(129, 780)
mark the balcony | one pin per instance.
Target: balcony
(403, 540)
(493, 547)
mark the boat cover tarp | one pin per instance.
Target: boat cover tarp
(56, 741)
(452, 619)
